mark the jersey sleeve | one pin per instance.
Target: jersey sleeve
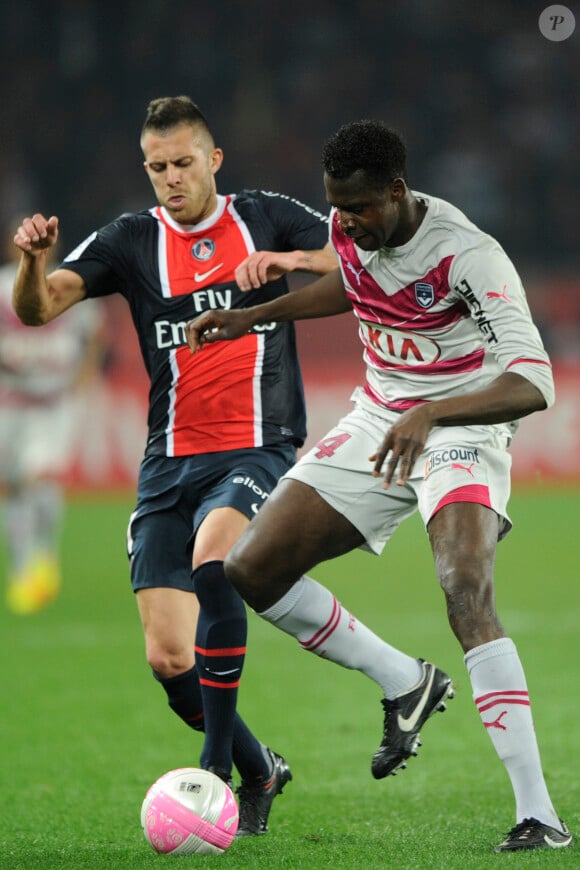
(297, 226)
(487, 281)
(100, 259)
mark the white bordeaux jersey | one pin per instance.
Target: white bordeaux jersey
(231, 395)
(441, 315)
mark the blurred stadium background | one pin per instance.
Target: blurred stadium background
(486, 103)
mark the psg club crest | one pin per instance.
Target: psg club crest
(204, 249)
(424, 294)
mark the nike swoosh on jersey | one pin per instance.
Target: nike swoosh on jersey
(409, 724)
(201, 276)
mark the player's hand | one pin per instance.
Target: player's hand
(405, 442)
(263, 266)
(37, 233)
(220, 325)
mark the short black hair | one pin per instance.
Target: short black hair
(164, 113)
(369, 146)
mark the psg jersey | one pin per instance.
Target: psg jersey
(230, 395)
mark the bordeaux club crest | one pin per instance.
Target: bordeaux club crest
(424, 294)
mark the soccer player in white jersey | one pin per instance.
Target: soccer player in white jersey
(453, 361)
(39, 375)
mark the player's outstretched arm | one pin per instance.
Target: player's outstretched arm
(36, 298)
(263, 266)
(322, 298)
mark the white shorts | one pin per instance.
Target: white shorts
(459, 464)
(36, 440)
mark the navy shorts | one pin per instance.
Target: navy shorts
(174, 496)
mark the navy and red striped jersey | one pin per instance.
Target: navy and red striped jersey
(231, 395)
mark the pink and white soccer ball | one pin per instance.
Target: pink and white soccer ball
(189, 811)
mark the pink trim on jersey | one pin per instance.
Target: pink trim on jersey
(539, 362)
(401, 308)
(396, 405)
(476, 493)
(469, 363)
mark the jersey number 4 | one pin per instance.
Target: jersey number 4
(328, 446)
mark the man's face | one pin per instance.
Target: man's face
(181, 165)
(368, 216)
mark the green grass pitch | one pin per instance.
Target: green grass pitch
(84, 729)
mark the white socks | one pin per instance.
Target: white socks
(311, 614)
(501, 697)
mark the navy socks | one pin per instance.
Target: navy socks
(205, 697)
(220, 649)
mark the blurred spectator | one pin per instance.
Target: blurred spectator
(40, 370)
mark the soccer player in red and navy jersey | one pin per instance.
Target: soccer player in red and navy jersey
(222, 427)
(453, 361)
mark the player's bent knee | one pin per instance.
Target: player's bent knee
(169, 663)
(469, 588)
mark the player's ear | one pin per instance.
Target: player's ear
(216, 159)
(397, 189)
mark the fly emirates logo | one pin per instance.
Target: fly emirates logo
(169, 334)
(397, 347)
